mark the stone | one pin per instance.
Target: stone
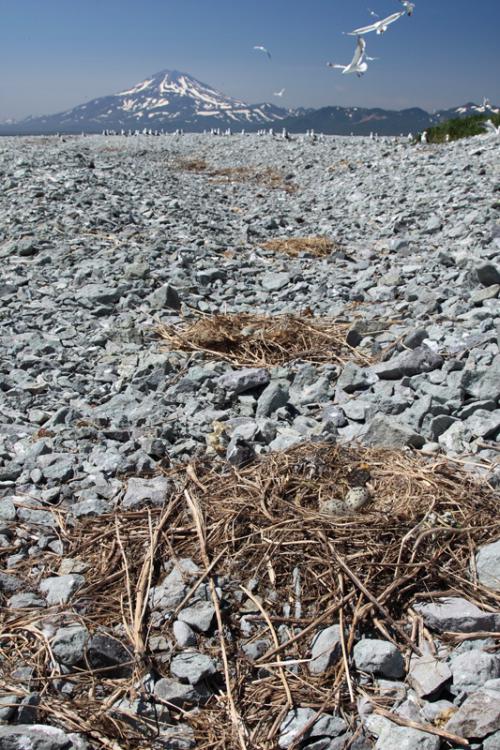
(9, 583)
(109, 655)
(414, 362)
(472, 670)
(492, 742)
(455, 615)
(354, 378)
(378, 658)
(174, 587)
(199, 616)
(26, 600)
(478, 716)
(243, 380)
(385, 432)
(35, 737)
(192, 667)
(176, 693)
(395, 737)
(483, 383)
(60, 589)
(142, 492)
(273, 282)
(273, 397)
(68, 644)
(428, 676)
(296, 721)
(165, 296)
(183, 634)
(7, 510)
(488, 565)
(326, 650)
(484, 424)
(488, 274)
(91, 508)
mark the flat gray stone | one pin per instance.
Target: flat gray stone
(326, 650)
(378, 658)
(492, 742)
(192, 667)
(26, 600)
(273, 282)
(488, 565)
(273, 397)
(488, 274)
(141, 492)
(354, 378)
(174, 587)
(199, 616)
(243, 380)
(414, 362)
(478, 716)
(455, 615)
(296, 720)
(9, 583)
(386, 432)
(472, 670)
(60, 589)
(183, 634)
(7, 510)
(34, 737)
(68, 644)
(394, 737)
(427, 676)
(176, 693)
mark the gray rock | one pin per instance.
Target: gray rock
(7, 510)
(90, 508)
(141, 492)
(109, 655)
(35, 737)
(483, 383)
(414, 362)
(326, 650)
(472, 669)
(378, 658)
(60, 589)
(183, 634)
(243, 380)
(273, 282)
(483, 424)
(354, 378)
(69, 643)
(9, 583)
(394, 737)
(176, 693)
(170, 593)
(492, 742)
(199, 616)
(455, 615)
(179, 737)
(192, 667)
(488, 274)
(478, 716)
(8, 706)
(26, 600)
(385, 432)
(165, 296)
(273, 397)
(296, 721)
(427, 675)
(255, 649)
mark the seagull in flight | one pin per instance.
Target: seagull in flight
(408, 6)
(373, 14)
(260, 48)
(357, 64)
(379, 26)
(279, 93)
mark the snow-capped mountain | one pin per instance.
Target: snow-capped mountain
(165, 101)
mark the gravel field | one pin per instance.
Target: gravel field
(259, 307)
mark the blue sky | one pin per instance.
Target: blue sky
(55, 54)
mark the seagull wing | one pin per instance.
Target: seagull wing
(359, 52)
(393, 17)
(333, 65)
(364, 29)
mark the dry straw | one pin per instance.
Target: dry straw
(308, 570)
(265, 177)
(263, 341)
(319, 247)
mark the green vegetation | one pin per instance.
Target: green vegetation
(460, 128)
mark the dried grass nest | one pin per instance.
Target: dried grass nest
(266, 177)
(319, 247)
(251, 340)
(414, 540)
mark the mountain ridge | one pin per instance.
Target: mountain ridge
(172, 100)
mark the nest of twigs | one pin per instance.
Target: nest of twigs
(319, 247)
(414, 540)
(265, 177)
(264, 340)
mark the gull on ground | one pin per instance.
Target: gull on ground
(279, 93)
(260, 48)
(357, 64)
(380, 27)
(491, 128)
(408, 6)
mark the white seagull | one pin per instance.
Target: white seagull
(379, 26)
(491, 128)
(357, 64)
(373, 14)
(279, 93)
(409, 7)
(260, 48)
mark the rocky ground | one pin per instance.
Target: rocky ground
(104, 239)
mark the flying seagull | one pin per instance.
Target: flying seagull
(279, 93)
(409, 7)
(260, 48)
(373, 14)
(357, 64)
(379, 26)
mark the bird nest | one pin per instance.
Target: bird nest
(244, 339)
(319, 247)
(285, 566)
(266, 177)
